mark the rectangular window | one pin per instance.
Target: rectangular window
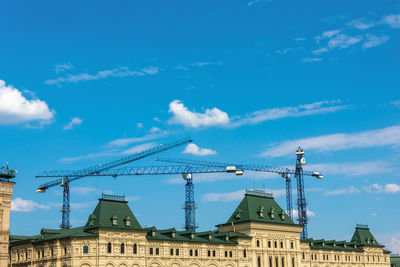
(213, 253)
(191, 252)
(151, 251)
(196, 253)
(171, 252)
(85, 249)
(230, 254)
(157, 251)
(226, 254)
(258, 261)
(177, 252)
(209, 253)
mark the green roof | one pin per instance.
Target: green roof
(52, 234)
(112, 212)
(258, 206)
(211, 237)
(322, 244)
(395, 260)
(363, 237)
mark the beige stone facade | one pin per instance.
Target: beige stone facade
(6, 192)
(242, 244)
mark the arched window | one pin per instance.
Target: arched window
(281, 244)
(291, 245)
(283, 261)
(258, 261)
(122, 248)
(269, 244)
(244, 253)
(134, 249)
(65, 250)
(276, 262)
(258, 243)
(270, 261)
(109, 248)
(85, 249)
(293, 265)
(275, 244)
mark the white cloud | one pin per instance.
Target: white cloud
(127, 141)
(344, 191)
(139, 125)
(352, 169)
(63, 67)
(309, 214)
(300, 39)
(138, 148)
(74, 122)
(392, 20)
(387, 189)
(182, 115)
(395, 103)
(327, 34)
(343, 41)
(23, 205)
(389, 136)
(373, 40)
(15, 108)
(117, 72)
(155, 130)
(361, 24)
(217, 177)
(311, 59)
(236, 195)
(283, 51)
(195, 150)
(206, 63)
(269, 114)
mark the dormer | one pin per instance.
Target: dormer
(114, 220)
(128, 221)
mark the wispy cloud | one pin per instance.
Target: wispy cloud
(73, 122)
(392, 21)
(110, 152)
(63, 67)
(344, 191)
(236, 195)
(121, 142)
(311, 59)
(361, 24)
(195, 150)
(270, 114)
(353, 169)
(117, 72)
(387, 188)
(373, 40)
(218, 177)
(389, 136)
(23, 205)
(15, 108)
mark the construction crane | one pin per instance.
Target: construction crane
(65, 181)
(185, 171)
(284, 172)
(7, 174)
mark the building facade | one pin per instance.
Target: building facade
(6, 192)
(258, 234)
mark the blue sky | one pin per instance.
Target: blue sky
(83, 83)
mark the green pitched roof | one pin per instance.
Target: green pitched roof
(110, 210)
(258, 206)
(363, 236)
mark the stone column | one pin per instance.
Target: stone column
(6, 192)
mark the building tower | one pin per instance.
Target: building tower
(6, 192)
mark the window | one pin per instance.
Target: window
(177, 252)
(213, 253)
(270, 261)
(157, 251)
(171, 252)
(196, 253)
(85, 249)
(258, 243)
(52, 253)
(122, 248)
(226, 253)
(209, 253)
(38, 254)
(191, 252)
(244, 253)
(281, 244)
(42, 253)
(269, 244)
(291, 245)
(258, 261)
(134, 249)
(151, 251)
(65, 250)
(276, 262)
(293, 265)
(109, 248)
(304, 256)
(283, 261)
(114, 220)
(275, 244)
(230, 254)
